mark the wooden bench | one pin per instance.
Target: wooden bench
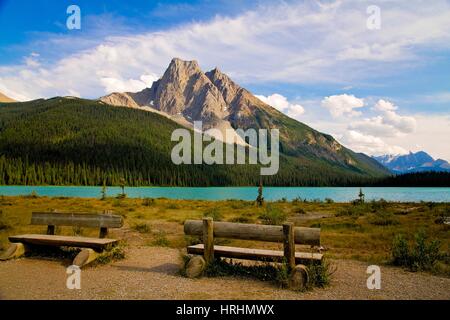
(286, 234)
(91, 247)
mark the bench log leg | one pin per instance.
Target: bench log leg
(85, 257)
(298, 278)
(15, 250)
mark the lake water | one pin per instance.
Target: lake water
(338, 194)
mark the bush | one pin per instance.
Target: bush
(161, 240)
(383, 219)
(421, 257)
(400, 251)
(242, 219)
(376, 205)
(116, 253)
(273, 216)
(329, 200)
(172, 206)
(320, 273)
(299, 210)
(142, 227)
(148, 202)
(352, 211)
(213, 213)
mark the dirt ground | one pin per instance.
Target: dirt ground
(151, 273)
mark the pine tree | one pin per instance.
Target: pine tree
(260, 198)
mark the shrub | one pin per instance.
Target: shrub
(213, 213)
(376, 205)
(299, 210)
(161, 240)
(242, 219)
(142, 227)
(421, 257)
(273, 216)
(320, 273)
(400, 251)
(172, 206)
(353, 211)
(329, 200)
(148, 202)
(383, 219)
(116, 253)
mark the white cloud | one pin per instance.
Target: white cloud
(301, 42)
(431, 135)
(368, 144)
(344, 104)
(112, 84)
(388, 123)
(280, 103)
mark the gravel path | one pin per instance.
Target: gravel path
(151, 273)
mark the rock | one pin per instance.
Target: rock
(195, 267)
(299, 278)
(85, 257)
(15, 250)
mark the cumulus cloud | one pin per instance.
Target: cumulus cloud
(281, 103)
(288, 42)
(344, 104)
(112, 84)
(387, 124)
(368, 144)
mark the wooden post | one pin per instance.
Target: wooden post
(103, 232)
(289, 244)
(51, 230)
(208, 239)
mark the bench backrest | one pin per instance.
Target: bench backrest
(89, 220)
(244, 231)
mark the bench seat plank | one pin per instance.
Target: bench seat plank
(68, 241)
(255, 254)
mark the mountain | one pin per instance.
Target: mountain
(413, 162)
(4, 98)
(186, 93)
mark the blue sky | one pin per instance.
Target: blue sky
(377, 91)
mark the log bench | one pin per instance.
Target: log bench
(91, 247)
(286, 234)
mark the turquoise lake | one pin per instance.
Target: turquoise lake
(338, 194)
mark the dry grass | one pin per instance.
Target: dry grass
(363, 232)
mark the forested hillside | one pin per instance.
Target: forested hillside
(69, 141)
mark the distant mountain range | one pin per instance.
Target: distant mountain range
(413, 162)
(4, 98)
